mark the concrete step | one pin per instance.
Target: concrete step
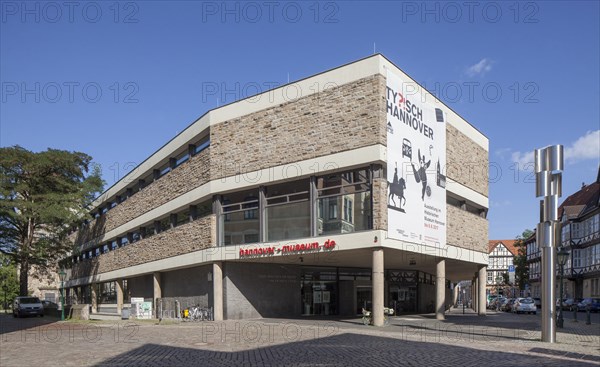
(105, 316)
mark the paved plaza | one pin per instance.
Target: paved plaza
(420, 340)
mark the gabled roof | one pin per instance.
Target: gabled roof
(509, 244)
(583, 201)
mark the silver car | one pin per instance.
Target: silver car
(524, 305)
(26, 305)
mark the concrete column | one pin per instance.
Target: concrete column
(377, 287)
(481, 281)
(119, 289)
(157, 292)
(475, 294)
(217, 277)
(440, 289)
(455, 295)
(94, 298)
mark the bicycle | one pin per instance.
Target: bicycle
(367, 318)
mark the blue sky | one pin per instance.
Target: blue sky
(118, 80)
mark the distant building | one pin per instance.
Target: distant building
(501, 256)
(580, 217)
(43, 283)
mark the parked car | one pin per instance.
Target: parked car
(594, 304)
(538, 302)
(524, 305)
(49, 304)
(25, 305)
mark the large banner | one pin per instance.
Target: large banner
(416, 161)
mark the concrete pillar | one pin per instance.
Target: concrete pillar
(119, 289)
(157, 292)
(475, 294)
(440, 289)
(217, 276)
(377, 289)
(94, 286)
(455, 295)
(481, 280)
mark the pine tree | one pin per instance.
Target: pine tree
(42, 198)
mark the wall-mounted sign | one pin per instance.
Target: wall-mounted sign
(288, 249)
(416, 162)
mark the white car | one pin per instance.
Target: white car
(524, 305)
(26, 305)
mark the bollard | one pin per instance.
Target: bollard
(588, 315)
(178, 310)
(575, 309)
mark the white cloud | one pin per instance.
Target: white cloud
(585, 147)
(502, 152)
(480, 68)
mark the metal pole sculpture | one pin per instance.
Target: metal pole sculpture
(548, 177)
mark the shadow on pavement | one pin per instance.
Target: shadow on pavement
(346, 349)
(9, 324)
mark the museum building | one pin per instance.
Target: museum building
(353, 188)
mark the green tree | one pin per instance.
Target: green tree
(42, 197)
(9, 284)
(520, 260)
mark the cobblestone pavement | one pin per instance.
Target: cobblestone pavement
(460, 340)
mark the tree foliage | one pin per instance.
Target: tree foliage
(42, 197)
(9, 283)
(520, 260)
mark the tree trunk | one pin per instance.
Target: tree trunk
(23, 278)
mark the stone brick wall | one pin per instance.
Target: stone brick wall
(190, 237)
(42, 281)
(466, 162)
(346, 117)
(380, 192)
(189, 175)
(466, 230)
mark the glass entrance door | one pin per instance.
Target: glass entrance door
(363, 299)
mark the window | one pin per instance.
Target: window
(183, 217)
(250, 203)
(288, 210)
(348, 210)
(333, 208)
(344, 202)
(202, 209)
(164, 224)
(576, 258)
(240, 217)
(135, 236)
(182, 159)
(202, 144)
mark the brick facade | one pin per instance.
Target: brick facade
(194, 236)
(467, 162)
(466, 230)
(347, 117)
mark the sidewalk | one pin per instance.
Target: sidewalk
(413, 340)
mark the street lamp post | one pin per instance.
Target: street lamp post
(562, 256)
(62, 275)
